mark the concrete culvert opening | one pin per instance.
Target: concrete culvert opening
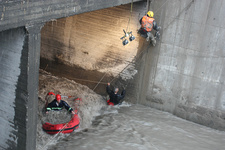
(86, 47)
(80, 54)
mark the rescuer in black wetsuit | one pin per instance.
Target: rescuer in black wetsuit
(115, 98)
(58, 104)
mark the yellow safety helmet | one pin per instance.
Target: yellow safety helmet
(150, 14)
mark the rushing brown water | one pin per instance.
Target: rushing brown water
(89, 107)
(128, 126)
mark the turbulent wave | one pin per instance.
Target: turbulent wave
(126, 126)
(89, 107)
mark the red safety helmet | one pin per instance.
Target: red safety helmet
(58, 97)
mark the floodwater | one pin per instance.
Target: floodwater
(124, 127)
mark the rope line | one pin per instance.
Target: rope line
(128, 25)
(55, 136)
(131, 62)
(185, 8)
(135, 58)
(161, 6)
(91, 81)
(99, 81)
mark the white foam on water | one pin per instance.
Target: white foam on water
(90, 105)
(126, 126)
(142, 128)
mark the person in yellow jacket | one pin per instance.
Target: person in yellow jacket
(147, 24)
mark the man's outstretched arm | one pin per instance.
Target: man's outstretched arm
(122, 95)
(108, 88)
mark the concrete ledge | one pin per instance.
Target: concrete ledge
(201, 115)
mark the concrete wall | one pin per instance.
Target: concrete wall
(11, 47)
(19, 56)
(186, 76)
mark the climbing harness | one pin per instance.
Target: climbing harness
(43, 148)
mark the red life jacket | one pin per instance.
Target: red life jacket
(147, 23)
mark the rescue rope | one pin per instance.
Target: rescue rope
(128, 25)
(130, 62)
(99, 81)
(43, 148)
(134, 59)
(161, 6)
(185, 8)
(192, 1)
(91, 81)
(148, 5)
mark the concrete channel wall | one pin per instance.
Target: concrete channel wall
(182, 75)
(186, 69)
(11, 50)
(20, 41)
(19, 57)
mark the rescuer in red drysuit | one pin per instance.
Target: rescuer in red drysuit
(58, 104)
